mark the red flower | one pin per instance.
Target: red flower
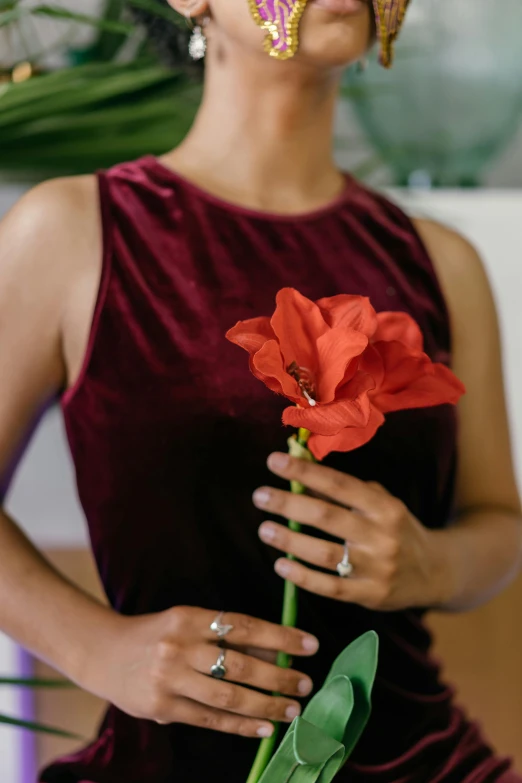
(342, 365)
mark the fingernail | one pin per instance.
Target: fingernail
(292, 711)
(310, 644)
(265, 731)
(267, 531)
(261, 497)
(283, 567)
(305, 686)
(278, 460)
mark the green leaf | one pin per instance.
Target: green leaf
(313, 747)
(319, 742)
(28, 682)
(159, 10)
(331, 707)
(37, 727)
(358, 662)
(304, 743)
(107, 43)
(12, 15)
(55, 12)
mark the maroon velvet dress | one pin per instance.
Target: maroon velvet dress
(170, 432)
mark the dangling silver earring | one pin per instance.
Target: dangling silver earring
(198, 42)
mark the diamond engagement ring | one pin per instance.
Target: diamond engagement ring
(219, 628)
(345, 568)
(219, 670)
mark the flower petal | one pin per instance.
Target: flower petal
(298, 323)
(400, 327)
(354, 312)
(412, 380)
(267, 365)
(252, 334)
(353, 411)
(371, 363)
(347, 439)
(439, 387)
(336, 350)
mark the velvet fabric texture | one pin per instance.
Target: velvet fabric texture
(169, 433)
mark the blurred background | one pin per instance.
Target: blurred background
(81, 87)
(449, 114)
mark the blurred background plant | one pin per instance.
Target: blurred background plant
(72, 101)
(91, 106)
(32, 682)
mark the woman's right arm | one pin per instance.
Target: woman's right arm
(154, 666)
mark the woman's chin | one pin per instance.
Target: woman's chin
(332, 40)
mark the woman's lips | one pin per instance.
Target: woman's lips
(341, 6)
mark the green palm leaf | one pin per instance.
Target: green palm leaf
(37, 727)
(56, 12)
(159, 10)
(34, 682)
(12, 15)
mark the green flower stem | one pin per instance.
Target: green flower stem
(289, 613)
(263, 756)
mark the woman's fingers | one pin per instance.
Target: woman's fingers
(315, 551)
(227, 696)
(256, 652)
(247, 670)
(349, 491)
(334, 520)
(183, 710)
(190, 623)
(361, 591)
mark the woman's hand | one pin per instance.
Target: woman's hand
(157, 667)
(393, 556)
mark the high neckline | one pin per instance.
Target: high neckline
(168, 174)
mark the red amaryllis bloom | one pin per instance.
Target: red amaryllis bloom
(342, 365)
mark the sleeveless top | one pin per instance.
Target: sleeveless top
(170, 432)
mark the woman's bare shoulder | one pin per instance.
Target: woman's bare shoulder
(50, 219)
(50, 260)
(53, 229)
(456, 260)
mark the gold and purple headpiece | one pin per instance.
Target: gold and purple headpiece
(280, 19)
(389, 16)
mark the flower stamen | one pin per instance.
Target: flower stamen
(309, 399)
(304, 379)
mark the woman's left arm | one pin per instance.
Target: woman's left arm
(398, 563)
(483, 549)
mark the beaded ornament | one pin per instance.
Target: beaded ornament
(389, 15)
(280, 19)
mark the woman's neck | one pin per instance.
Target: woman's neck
(263, 135)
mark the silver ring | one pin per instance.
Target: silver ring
(345, 568)
(219, 670)
(219, 628)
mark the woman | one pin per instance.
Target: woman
(117, 290)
